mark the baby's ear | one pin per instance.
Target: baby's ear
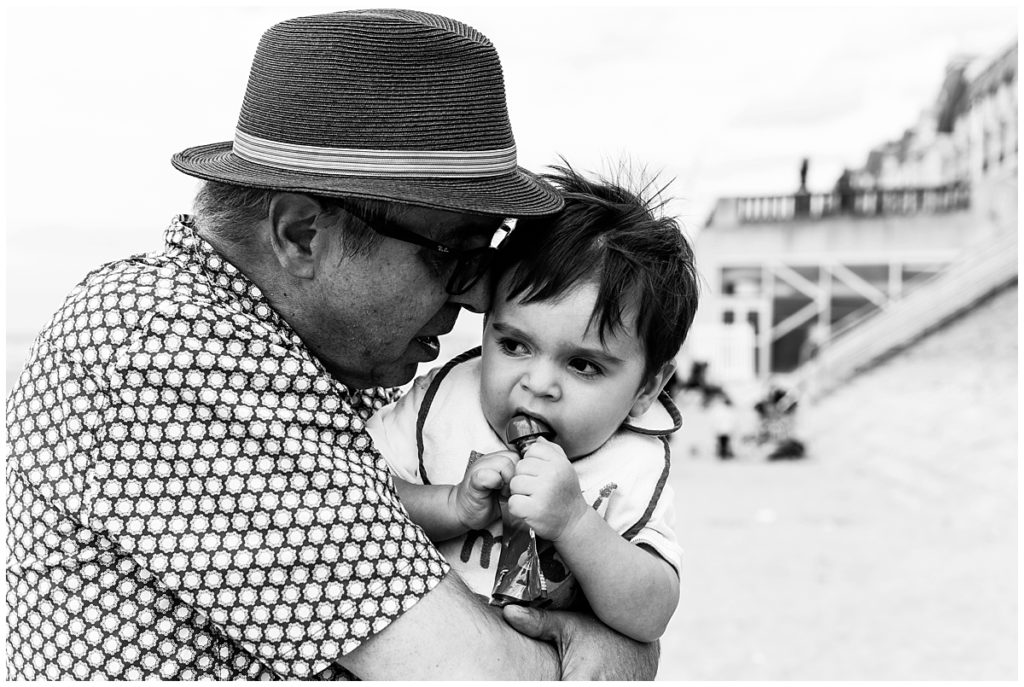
(651, 388)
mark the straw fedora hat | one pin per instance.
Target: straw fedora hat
(383, 104)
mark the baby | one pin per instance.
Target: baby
(589, 309)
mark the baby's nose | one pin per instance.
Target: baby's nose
(542, 381)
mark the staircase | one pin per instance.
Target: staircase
(983, 269)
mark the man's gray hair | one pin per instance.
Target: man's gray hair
(230, 212)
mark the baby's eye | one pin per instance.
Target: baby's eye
(585, 367)
(512, 347)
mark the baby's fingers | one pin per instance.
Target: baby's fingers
(492, 472)
(487, 479)
(523, 485)
(545, 450)
(502, 463)
(520, 506)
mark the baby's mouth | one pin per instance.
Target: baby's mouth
(535, 416)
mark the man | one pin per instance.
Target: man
(192, 492)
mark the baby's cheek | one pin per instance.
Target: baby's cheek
(584, 438)
(493, 406)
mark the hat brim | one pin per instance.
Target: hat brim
(518, 194)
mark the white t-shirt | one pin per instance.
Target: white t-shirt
(428, 436)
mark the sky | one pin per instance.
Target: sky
(720, 100)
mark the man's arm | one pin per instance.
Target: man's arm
(452, 634)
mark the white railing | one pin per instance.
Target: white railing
(978, 272)
(855, 202)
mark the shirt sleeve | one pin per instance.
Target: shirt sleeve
(234, 471)
(659, 532)
(394, 430)
(641, 505)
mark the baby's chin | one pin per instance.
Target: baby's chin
(578, 451)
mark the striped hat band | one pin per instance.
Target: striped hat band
(364, 162)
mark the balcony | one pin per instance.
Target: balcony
(874, 203)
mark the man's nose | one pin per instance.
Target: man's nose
(477, 298)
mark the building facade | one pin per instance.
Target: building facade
(786, 274)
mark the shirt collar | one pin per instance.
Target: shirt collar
(661, 419)
(183, 238)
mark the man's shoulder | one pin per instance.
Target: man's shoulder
(131, 283)
(103, 297)
(138, 297)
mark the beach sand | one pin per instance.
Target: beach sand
(889, 553)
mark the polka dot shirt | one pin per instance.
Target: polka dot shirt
(191, 494)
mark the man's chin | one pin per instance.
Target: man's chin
(396, 374)
(399, 375)
(389, 374)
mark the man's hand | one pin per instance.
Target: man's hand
(546, 491)
(587, 648)
(474, 499)
(452, 634)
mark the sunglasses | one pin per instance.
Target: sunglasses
(469, 265)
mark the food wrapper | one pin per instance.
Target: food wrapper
(519, 579)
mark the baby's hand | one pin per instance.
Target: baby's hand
(475, 502)
(546, 491)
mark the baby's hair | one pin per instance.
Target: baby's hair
(609, 236)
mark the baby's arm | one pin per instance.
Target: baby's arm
(448, 510)
(629, 587)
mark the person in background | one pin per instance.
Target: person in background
(777, 420)
(723, 421)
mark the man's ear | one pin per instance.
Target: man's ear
(293, 227)
(651, 388)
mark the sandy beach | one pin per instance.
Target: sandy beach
(890, 553)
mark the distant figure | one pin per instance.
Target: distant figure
(802, 201)
(718, 405)
(777, 414)
(844, 189)
(723, 422)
